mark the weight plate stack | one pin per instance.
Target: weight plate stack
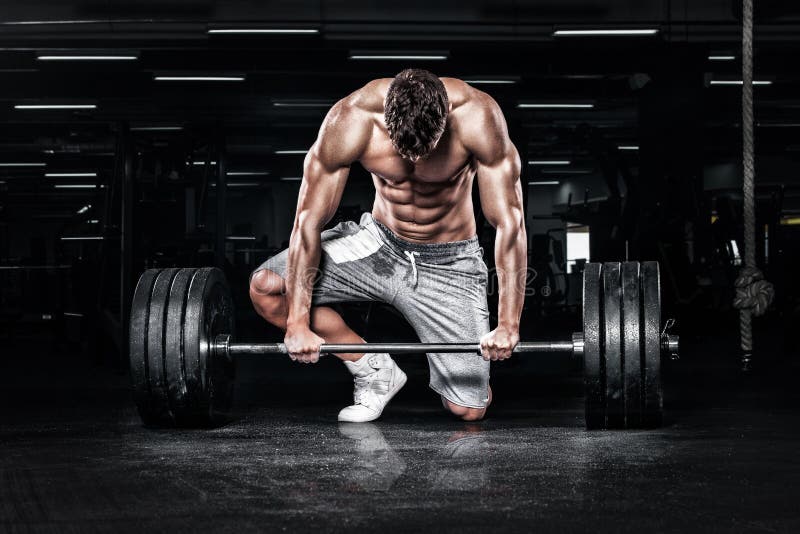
(177, 379)
(622, 345)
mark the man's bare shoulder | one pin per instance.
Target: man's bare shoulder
(474, 112)
(468, 103)
(477, 121)
(459, 92)
(369, 98)
(347, 128)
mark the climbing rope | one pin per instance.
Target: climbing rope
(753, 293)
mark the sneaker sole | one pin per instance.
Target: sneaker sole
(389, 396)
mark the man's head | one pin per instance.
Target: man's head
(415, 112)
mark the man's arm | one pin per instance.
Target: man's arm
(498, 169)
(342, 138)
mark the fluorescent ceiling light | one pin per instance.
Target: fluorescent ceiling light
(248, 173)
(545, 182)
(549, 162)
(489, 81)
(238, 184)
(286, 152)
(203, 163)
(399, 56)
(778, 124)
(3, 182)
(84, 209)
(55, 106)
(37, 22)
(85, 58)
(554, 106)
(155, 128)
(721, 58)
(292, 179)
(648, 31)
(241, 238)
(199, 78)
(70, 174)
(78, 186)
(739, 82)
(83, 238)
(23, 164)
(628, 147)
(275, 31)
(93, 221)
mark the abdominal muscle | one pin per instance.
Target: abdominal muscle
(425, 212)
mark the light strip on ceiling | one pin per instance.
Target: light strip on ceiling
(605, 33)
(85, 58)
(55, 106)
(267, 31)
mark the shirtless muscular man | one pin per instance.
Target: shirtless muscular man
(424, 140)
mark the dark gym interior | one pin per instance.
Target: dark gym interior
(172, 134)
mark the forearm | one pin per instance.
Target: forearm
(302, 265)
(511, 262)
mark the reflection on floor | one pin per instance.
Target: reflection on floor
(74, 457)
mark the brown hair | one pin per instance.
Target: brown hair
(415, 112)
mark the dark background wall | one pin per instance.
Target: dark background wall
(69, 257)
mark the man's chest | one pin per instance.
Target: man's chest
(446, 163)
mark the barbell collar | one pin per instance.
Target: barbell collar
(670, 345)
(577, 344)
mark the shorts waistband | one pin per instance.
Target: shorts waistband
(424, 250)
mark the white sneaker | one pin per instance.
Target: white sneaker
(377, 380)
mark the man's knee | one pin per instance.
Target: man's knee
(464, 413)
(266, 283)
(267, 290)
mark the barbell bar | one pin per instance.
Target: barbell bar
(224, 346)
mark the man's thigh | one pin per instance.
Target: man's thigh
(449, 305)
(344, 273)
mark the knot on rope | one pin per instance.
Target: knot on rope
(752, 291)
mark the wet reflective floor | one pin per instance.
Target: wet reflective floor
(77, 459)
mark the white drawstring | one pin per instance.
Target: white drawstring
(412, 257)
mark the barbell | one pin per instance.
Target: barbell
(182, 356)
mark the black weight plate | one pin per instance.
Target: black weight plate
(156, 351)
(612, 344)
(592, 342)
(631, 343)
(209, 378)
(137, 344)
(173, 346)
(651, 333)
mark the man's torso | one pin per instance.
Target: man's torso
(430, 200)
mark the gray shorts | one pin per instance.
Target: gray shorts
(440, 288)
